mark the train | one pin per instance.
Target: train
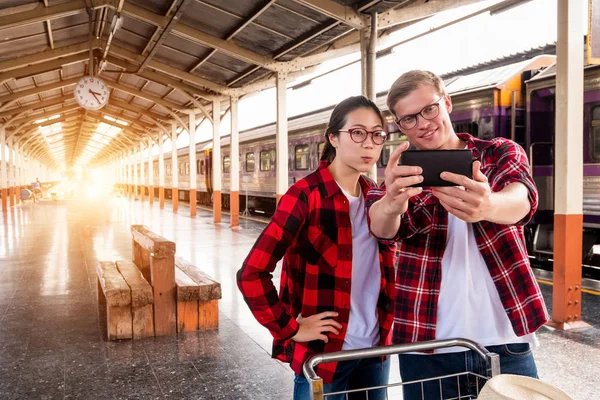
(514, 101)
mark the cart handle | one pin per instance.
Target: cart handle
(492, 359)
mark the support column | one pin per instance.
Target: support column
(234, 194)
(3, 170)
(142, 185)
(11, 174)
(369, 55)
(216, 160)
(161, 172)
(136, 175)
(121, 173)
(127, 176)
(17, 175)
(192, 159)
(568, 168)
(150, 173)
(281, 138)
(131, 174)
(20, 172)
(174, 168)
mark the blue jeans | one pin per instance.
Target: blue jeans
(354, 374)
(514, 359)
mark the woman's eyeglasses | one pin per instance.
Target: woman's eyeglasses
(428, 112)
(359, 135)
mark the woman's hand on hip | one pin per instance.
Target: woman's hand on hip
(317, 326)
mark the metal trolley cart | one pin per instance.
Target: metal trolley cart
(492, 366)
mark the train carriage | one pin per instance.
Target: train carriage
(541, 117)
(513, 101)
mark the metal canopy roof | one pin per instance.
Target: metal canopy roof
(163, 59)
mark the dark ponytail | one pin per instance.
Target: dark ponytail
(338, 120)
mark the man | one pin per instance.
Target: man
(463, 268)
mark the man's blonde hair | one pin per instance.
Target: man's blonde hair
(410, 81)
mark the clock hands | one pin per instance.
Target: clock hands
(94, 94)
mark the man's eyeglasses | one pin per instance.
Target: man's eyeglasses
(428, 112)
(359, 135)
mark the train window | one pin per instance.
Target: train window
(301, 160)
(385, 155)
(267, 160)
(226, 164)
(394, 139)
(471, 128)
(202, 167)
(198, 169)
(168, 170)
(595, 133)
(187, 168)
(249, 162)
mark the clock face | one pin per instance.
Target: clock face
(91, 93)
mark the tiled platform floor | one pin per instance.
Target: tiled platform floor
(52, 341)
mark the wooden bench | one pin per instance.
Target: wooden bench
(142, 300)
(114, 293)
(155, 257)
(197, 298)
(128, 300)
(155, 294)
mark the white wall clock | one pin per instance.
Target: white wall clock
(91, 93)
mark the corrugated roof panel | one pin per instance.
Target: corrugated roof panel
(157, 89)
(260, 41)
(175, 58)
(285, 21)
(210, 20)
(209, 69)
(80, 18)
(492, 77)
(301, 11)
(72, 70)
(222, 59)
(186, 46)
(130, 40)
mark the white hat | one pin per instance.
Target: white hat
(515, 387)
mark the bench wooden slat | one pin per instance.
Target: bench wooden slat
(141, 291)
(150, 241)
(165, 295)
(187, 302)
(141, 299)
(116, 290)
(115, 294)
(209, 289)
(187, 289)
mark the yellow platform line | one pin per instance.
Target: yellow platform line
(589, 291)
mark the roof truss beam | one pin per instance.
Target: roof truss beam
(16, 96)
(42, 13)
(418, 11)
(198, 36)
(337, 11)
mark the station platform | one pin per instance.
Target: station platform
(53, 341)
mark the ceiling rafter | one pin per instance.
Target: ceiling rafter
(337, 11)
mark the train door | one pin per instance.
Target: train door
(540, 139)
(208, 173)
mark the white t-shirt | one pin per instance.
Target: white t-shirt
(469, 305)
(363, 325)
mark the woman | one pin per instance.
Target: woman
(337, 281)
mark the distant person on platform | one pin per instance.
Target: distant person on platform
(463, 268)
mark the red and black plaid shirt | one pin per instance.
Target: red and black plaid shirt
(312, 231)
(422, 240)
